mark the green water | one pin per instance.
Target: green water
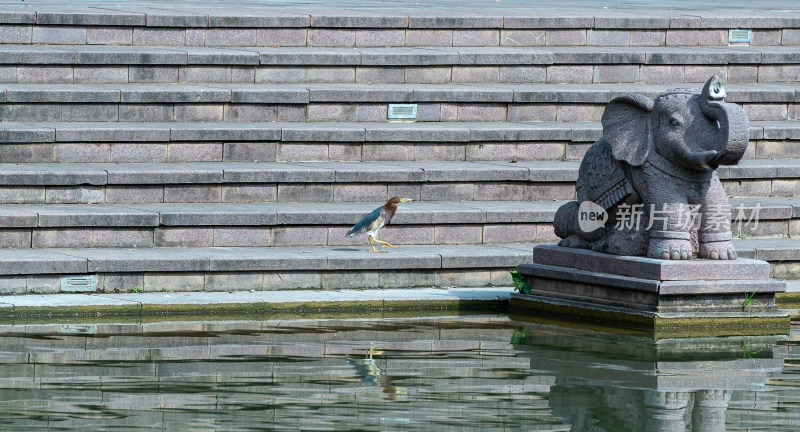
(429, 374)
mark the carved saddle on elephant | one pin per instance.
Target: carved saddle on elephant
(602, 178)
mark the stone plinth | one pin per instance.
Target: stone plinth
(703, 297)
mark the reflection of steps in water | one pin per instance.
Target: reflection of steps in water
(613, 382)
(200, 371)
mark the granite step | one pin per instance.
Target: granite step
(284, 182)
(269, 224)
(93, 183)
(249, 93)
(352, 102)
(82, 64)
(290, 132)
(213, 21)
(270, 268)
(88, 55)
(281, 16)
(71, 142)
(323, 224)
(281, 268)
(391, 17)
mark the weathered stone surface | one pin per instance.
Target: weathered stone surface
(159, 36)
(46, 174)
(164, 173)
(150, 74)
(566, 37)
(92, 215)
(588, 290)
(33, 262)
(116, 55)
(522, 37)
(321, 132)
(223, 132)
(278, 172)
(309, 56)
(429, 37)
(482, 257)
(109, 36)
(142, 259)
(59, 35)
(409, 132)
(280, 259)
(649, 268)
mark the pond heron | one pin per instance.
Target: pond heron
(375, 220)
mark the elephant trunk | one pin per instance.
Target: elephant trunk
(734, 129)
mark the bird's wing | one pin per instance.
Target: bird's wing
(365, 224)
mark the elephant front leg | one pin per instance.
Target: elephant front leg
(715, 235)
(669, 232)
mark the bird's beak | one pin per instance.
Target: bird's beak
(406, 199)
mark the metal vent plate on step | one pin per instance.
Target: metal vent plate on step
(740, 36)
(79, 283)
(402, 111)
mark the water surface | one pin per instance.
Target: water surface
(438, 373)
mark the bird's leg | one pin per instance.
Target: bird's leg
(384, 243)
(373, 245)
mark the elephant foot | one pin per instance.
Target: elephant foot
(574, 241)
(600, 245)
(670, 249)
(718, 250)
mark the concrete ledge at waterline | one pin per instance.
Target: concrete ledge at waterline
(663, 325)
(300, 301)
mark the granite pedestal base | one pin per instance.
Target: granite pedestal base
(697, 297)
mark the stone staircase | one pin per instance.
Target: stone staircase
(231, 150)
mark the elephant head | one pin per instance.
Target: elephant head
(695, 130)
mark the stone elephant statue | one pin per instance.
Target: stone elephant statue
(658, 157)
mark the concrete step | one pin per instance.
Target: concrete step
(352, 102)
(231, 182)
(70, 142)
(340, 132)
(323, 224)
(281, 268)
(782, 253)
(424, 65)
(269, 224)
(86, 55)
(284, 182)
(144, 93)
(248, 26)
(270, 268)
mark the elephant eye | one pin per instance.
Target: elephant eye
(674, 122)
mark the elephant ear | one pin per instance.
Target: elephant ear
(627, 127)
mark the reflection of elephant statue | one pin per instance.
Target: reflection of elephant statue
(653, 172)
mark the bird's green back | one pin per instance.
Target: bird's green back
(366, 223)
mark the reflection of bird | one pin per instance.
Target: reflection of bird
(375, 220)
(369, 371)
